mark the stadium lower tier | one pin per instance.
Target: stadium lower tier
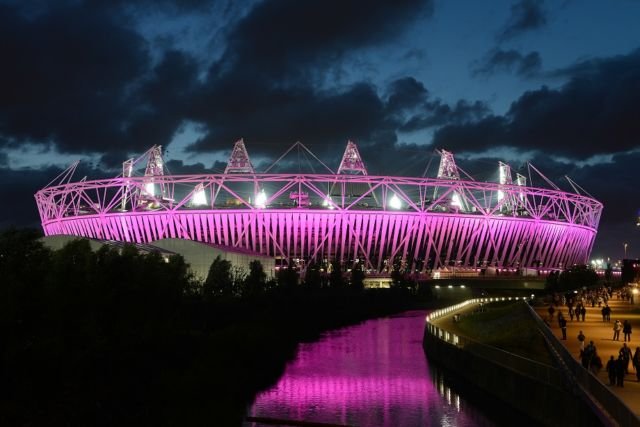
(420, 241)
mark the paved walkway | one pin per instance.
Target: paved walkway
(601, 333)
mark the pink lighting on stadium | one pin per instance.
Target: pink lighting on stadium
(324, 216)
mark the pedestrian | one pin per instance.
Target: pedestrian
(611, 371)
(560, 317)
(636, 363)
(617, 327)
(626, 330)
(608, 309)
(563, 327)
(625, 352)
(583, 312)
(581, 339)
(587, 355)
(551, 310)
(604, 314)
(620, 372)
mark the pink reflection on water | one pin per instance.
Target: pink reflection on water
(372, 374)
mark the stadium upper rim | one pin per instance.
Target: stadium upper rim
(345, 214)
(351, 188)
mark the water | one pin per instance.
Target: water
(372, 374)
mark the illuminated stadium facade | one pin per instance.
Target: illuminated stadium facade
(419, 223)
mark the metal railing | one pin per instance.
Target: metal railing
(520, 364)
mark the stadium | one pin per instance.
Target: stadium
(424, 225)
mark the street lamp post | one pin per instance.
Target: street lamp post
(625, 250)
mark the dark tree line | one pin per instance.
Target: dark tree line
(112, 335)
(577, 276)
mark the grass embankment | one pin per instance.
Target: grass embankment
(507, 326)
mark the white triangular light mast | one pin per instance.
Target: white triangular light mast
(521, 181)
(127, 172)
(447, 168)
(351, 160)
(504, 178)
(239, 160)
(155, 167)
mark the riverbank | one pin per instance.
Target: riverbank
(530, 384)
(206, 370)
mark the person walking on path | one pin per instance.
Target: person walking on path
(551, 310)
(626, 330)
(625, 352)
(563, 327)
(583, 312)
(620, 372)
(636, 363)
(581, 339)
(587, 355)
(611, 371)
(617, 327)
(560, 317)
(608, 313)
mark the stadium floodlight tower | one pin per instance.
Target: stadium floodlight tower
(155, 167)
(504, 178)
(351, 161)
(449, 171)
(239, 160)
(143, 194)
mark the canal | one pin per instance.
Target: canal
(374, 374)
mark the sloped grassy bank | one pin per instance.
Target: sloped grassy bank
(527, 382)
(507, 326)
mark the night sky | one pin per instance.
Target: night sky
(554, 83)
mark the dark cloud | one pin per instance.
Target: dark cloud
(284, 38)
(595, 112)
(406, 93)
(437, 113)
(79, 75)
(64, 77)
(525, 15)
(512, 61)
(266, 85)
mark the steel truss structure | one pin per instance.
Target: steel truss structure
(423, 223)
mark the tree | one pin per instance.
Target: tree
(576, 277)
(357, 277)
(397, 276)
(551, 283)
(312, 277)
(608, 273)
(287, 277)
(335, 276)
(255, 282)
(629, 273)
(219, 281)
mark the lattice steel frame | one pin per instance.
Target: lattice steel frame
(525, 227)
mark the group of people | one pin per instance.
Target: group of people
(618, 368)
(589, 356)
(625, 328)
